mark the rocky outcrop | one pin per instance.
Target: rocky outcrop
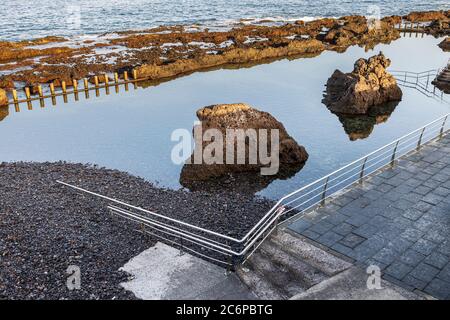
(445, 44)
(368, 85)
(3, 98)
(426, 16)
(357, 30)
(222, 117)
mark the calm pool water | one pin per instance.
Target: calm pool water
(131, 131)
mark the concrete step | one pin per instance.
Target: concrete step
(301, 271)
(280, 277)
(260, 286)
(306, 252)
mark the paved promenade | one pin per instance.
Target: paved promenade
(398, 220)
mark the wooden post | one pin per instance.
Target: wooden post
(106, 80)
(14, 94)
(63, 86)
(52, 89)
(41, 95)
(75, 85)
(27, 93)
(86, 84)
(96, 81)
(134, 74)
(116, 77)
(125, 76)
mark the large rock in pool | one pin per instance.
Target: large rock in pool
(223, 117)
(369, 84)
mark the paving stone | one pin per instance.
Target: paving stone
(344, 229)
(402, 204)
(412, 234)
(336, 218)
(351, 240)
(413, 282)
(411, 257)
(412, 214)
(441, 191)
(434, 236)
(437, 260)
(310, 234)
(329, 238)
(423, 224)
(422, 206)
(424, 247)
(386, 255)
(321, 227)
(432, 198)
(422, 190)
(444, 274)
(366, 230)
(398, 270)
(400, 245)
(384, 187)
(300, 225)
(379, 221)
(438, 288)
(340, 248)
(357, 220)
(424, 272)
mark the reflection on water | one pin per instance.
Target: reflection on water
(361, 126)
(131, 131)
(4, 112)
(243, 182)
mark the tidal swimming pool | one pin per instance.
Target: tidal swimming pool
(131, 131)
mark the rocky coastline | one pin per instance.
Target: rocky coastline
(167, 52)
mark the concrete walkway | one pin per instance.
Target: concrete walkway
(398, 220)
(164, 273)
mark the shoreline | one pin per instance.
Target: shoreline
(168, 52)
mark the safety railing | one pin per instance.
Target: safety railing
(317, 192)
(230, 251)
(422, 82)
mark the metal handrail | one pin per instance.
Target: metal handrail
(285, 209)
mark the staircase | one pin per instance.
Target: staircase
(286, 265)
(442, 80)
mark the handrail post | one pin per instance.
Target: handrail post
(393, 154)
(361, 174)
(441, 133)
(324, 193)
(419, 143)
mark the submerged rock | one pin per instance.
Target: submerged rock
(3, 98)
(224, 117)
(369, 84)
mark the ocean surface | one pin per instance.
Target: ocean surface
(22, 19)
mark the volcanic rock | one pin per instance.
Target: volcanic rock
(222, 117)
(369, 84)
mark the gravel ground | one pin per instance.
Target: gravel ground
(45, 227)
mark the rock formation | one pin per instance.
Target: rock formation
(3, 98)
(368, 85)
(241, 116)
(445, 44)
